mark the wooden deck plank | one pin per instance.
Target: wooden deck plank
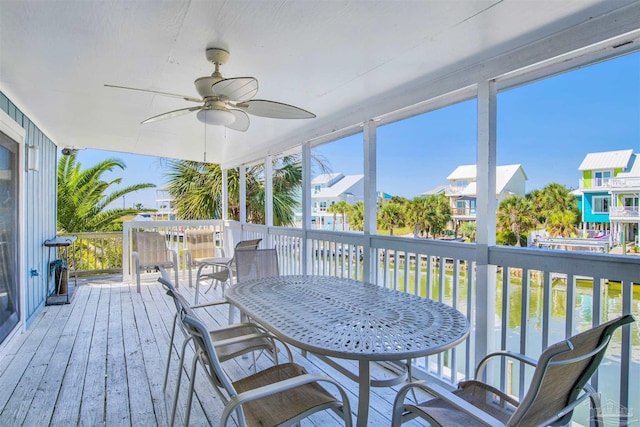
(67, 408)
(39, 354)
(110, 329)
(160, 316)
(117, 411)
(141, 404)
(48, 390)
(93, 393)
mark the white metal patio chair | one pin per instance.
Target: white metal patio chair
(201, 250)
(222, 267)
(150, 252)
(281, 395)
(558, 385)
(230, 341)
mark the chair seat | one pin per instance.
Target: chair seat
(278, 408)
(482, 396)
(233, 350)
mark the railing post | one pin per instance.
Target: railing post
(485, 220)
(126, 256)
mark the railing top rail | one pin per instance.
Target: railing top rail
(175, 223)
(627, 268)
(444, 248)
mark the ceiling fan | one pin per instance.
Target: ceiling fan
(226, 102)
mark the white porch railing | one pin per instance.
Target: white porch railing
(543, 296)
(624, 212)
(629, 182)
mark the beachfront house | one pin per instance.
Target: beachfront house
(330, 188)
(358, 67)
(608, 194)
(462, 190)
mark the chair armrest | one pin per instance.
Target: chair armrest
(209, 304)
(505, 354)
(278, 387)
(447, 396)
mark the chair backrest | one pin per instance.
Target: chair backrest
(256, 264)
(198, 331)
(201, 244)
(151, 247)
(248, 244)
(562, 371)
(181, 303)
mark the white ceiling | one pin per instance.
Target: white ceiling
(346, 61)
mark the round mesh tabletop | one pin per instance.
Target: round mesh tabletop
(350, 319)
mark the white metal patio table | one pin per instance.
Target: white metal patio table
(349, 319)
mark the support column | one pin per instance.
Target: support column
(370, 205)
(243, 194)
(224, 196)
(485, 220)
(306, 207)
(268, 191)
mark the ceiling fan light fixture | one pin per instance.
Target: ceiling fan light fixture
(216, 117)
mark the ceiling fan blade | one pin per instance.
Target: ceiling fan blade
(170, 114)
(275, 110)
(241, 123)
(173, 95)
(238, 89)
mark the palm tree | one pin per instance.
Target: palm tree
(468, 231)
(333, 209)
(342, 207)
(356, 216)
(196, 189)
(428, 214)
(515, 218)
(551, 199)
(563, 224)
(390, 216)
(82, 202)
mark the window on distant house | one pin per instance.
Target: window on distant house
(601, 178)
(317, 188)
(323, 206)
(600, 205)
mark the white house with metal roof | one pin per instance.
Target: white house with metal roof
(330, 188)
(510, 180)
(608, 193)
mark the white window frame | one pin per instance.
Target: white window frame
(603, 198)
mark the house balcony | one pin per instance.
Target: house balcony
(621, 184)
(624, 213)
(539, 297)
(456, 190)
(464, 214)
(595, 183)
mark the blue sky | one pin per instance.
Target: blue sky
(547, 127)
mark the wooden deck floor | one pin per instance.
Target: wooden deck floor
(100, 361)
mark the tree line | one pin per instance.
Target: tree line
(196, 188)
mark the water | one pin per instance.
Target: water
(609, 371)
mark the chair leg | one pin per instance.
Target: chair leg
(173, 333)
(595, 420)
(178, 382)
(192, 384)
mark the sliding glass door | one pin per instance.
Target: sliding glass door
(9, 295)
